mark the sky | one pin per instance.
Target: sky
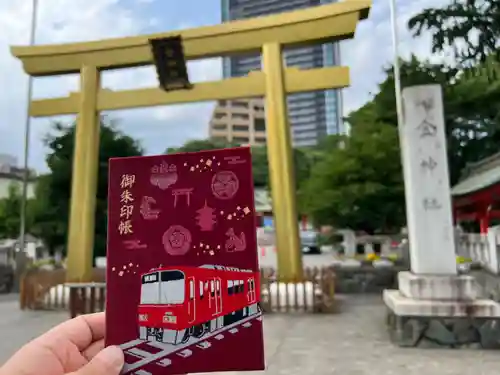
(61, 21)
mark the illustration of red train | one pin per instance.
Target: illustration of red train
(182, 302)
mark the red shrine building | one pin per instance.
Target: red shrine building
(476, 197)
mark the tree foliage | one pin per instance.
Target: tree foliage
(360, 177)
(200, 145)
(471, 106)
(358, 184)
(470, 28)
(10, 213)
(51, 212)
(259, 156)
(259, 159)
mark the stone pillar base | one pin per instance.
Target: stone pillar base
(441, 312)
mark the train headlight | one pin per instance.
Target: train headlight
(143, 317)
(169, 319)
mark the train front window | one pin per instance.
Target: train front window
(173, 284)
(150, 289)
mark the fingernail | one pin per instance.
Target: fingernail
(113, 357)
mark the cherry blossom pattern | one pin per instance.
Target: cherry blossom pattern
(124, 269)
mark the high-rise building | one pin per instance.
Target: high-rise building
(313, 114)
(239, 121)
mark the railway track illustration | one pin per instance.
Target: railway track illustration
(139, 353)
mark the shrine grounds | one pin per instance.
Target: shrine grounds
(353, 342)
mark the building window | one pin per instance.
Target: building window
(259, 125)
(241, 116)
(303, 111)
(249, 60)
(302, 96)
(260, 140)
(240, 140)
(240, 128)
(219, 127)
(219, 115)
(236, 104)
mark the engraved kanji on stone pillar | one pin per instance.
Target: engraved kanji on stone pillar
(427, 188)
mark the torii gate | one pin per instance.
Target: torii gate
(326, 23)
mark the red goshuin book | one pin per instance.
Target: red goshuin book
(183, 286)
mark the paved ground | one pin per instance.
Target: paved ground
(353, 342)
(18, 327)
(9, 297)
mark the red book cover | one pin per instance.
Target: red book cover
(183, 283)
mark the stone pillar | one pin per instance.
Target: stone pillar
(369, 247)
(494, 249)
(427, 187)
(434, 305)
(349, 242)
(386, 247)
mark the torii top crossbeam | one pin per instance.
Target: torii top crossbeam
(336, 21)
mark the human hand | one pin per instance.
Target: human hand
(74, 347)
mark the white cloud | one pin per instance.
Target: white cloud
(59, 21)
(79, 20)
(76, 20)
(371, 49)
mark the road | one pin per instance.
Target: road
(267, 258)
(353, 342)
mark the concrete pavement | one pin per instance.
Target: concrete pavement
(353, 342)
(18, 327)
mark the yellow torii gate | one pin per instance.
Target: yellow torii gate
(332, 22)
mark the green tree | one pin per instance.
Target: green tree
(260, 167)
(48, 225)
(200, 145)
(358, 184)
(259, 159)
(10, 213)
(53, 190)
(259, 156)
(470, 28)
(382, 107)
(471, 109)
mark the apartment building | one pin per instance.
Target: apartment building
(240, 121)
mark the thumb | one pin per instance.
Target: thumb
(108, 361)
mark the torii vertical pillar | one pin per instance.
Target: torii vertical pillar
(281, 170)
(84, 182)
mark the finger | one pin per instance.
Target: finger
(107, 362)
(81, 331)
(93, 349)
